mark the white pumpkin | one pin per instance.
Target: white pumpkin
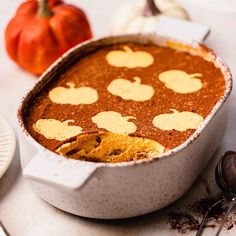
(140, 17)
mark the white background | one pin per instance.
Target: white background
(21, 211)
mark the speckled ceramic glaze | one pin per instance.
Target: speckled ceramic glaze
(121, 190)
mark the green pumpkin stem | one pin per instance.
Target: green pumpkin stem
(150, 8)
(43, 9)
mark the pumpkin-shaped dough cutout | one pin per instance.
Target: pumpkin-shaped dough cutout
(180, 121)
(131, 90)
(114, 122)
(181, 82)
(72, 95)
(129, 58)
(55, 129)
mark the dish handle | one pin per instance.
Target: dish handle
(56, 171)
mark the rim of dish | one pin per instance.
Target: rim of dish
(7, 145)
(149, 38)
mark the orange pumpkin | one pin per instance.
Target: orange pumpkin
(41, 31)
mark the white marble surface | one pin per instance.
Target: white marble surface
(23, 213)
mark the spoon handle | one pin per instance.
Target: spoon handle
(231, 205)
(205, 217)
(3, 231)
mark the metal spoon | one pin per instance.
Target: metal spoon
(225, 176)
(3, 231)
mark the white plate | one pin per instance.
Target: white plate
(7, 145)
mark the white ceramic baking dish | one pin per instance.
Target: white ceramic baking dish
(121, 190)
